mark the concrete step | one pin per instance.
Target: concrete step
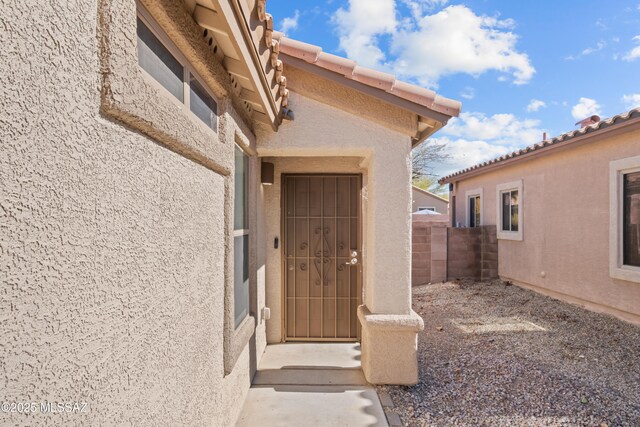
(310, 376)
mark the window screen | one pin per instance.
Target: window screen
(241, 238)
(156, 60)
(240, 278)
(202, 105)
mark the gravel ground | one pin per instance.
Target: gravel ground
(583, 369)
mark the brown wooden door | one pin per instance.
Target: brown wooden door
(322, 257)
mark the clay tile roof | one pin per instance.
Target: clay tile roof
(552, 143)
(377, 79)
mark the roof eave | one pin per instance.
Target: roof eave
(592, 136)
(229, 21)
(420, 110)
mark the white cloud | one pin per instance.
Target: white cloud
(588, 51)
(428, 47)
(535, 105)
(631, 100)
(468, 93)
(474, 138)
(501, 129)
(418, 8)
(465, 153)
(634, 53)
(290, 23)
(459, 41)
(584, 108)
(360, 26)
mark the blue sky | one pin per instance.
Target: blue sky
(520, 68)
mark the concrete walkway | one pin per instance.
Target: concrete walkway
(311, 384)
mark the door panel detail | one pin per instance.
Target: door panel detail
(322, 246)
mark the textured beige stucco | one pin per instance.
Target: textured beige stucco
(112, 261)
(421, 199)
(320, 130)
(350, 100)
(565, 224)
(323, 138)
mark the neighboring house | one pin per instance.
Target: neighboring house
(423, 200)
(567, 212)
(157, 197)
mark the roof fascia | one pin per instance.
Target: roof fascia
(239, 28)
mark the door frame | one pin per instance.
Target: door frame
(283, 257)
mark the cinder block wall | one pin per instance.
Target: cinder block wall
(489, 253)
(463, 253)
(444, 253)
(421, 253)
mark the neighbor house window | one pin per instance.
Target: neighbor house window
(241, 238)
(509, 210)
(427, 208)
(624, 244)
(474, 207)
(162, 61)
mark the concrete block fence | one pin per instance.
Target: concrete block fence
(443, 253)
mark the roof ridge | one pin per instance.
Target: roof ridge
(380, 80)
(554, 141)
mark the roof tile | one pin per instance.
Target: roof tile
(552, 142)
(377, 79)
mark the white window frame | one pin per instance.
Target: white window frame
(477, 192)
(618, 168)
(503, 188)
(185, 104)
(427, 208)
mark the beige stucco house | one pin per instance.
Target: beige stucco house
(423, 200)
(567, 212)
(182, 186)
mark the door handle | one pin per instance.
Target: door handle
(354, 258)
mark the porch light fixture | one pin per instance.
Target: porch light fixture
(266, 173)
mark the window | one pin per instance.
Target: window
(509, 210)
(474, 207)
(241, 238)
(156, 60)
(166, 66)
(201, 104)
(631, 219)
(624, 244)
(428, 208)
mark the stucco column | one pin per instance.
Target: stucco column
(389, 326)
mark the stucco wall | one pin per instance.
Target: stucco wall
(565, 223)
(320, 130)
(421, 199)
(112, 260)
